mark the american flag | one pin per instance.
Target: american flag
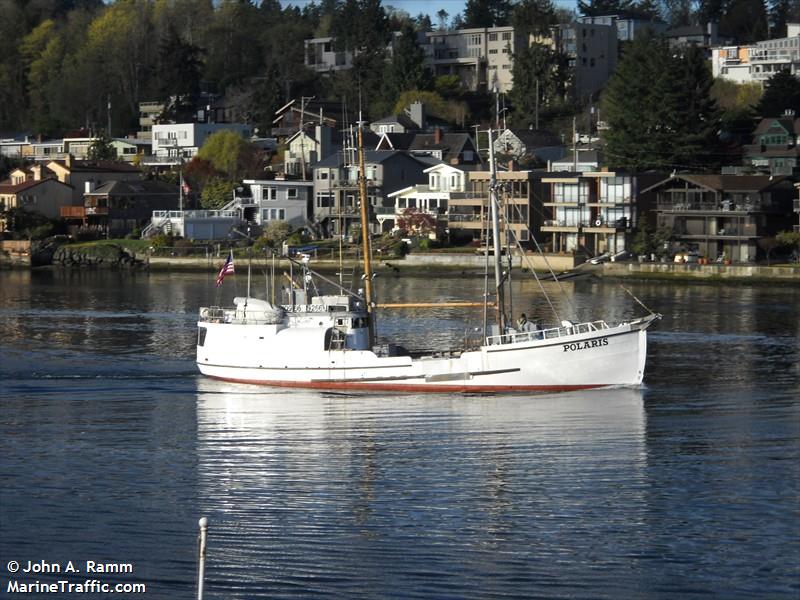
(225, 269)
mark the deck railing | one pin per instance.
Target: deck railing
(546, 334)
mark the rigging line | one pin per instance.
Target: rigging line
(642, 304)
(549, 268)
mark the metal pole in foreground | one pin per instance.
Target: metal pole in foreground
(201, 558)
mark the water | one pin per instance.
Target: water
(111, 448)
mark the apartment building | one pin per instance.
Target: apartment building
(628, 27)
(593, 212)
(174, 142)
(592, 52)
(469, 216)
(758, 62)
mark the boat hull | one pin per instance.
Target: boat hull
(610, 357)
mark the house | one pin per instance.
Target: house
(697, 35)
(755, 63)
(44, 150)
(452, 148)
(299, 114)
(174, 143)
(445, 182)
(592, 212)
(336, 187)
(305, 148)
(254, 205)
(412, 119)
(587, 160)
(774, 149)
(78, 173)
(467, 216)
(723, 215)
(322, 57)
(533, 145)
(797, 208)
(118, 207)
(13, 146)
(128, 149)
(34, 192)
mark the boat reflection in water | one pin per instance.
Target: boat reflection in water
(317, 493)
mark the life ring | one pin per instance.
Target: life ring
(598, 223)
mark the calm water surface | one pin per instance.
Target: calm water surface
(111, 448)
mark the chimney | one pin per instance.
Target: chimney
(68, 160)
(437, 135)
(416, 112)
(37, 172)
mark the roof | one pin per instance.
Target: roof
(583, 156)
(726, 183)
(451, 144)
(6, 187)
(132, 188)
(403, 119)
(777, 151)
(686, 31)
(99, 166)
(790, 124)
(533, 138)
(370, 156)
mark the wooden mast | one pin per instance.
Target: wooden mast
(498, 269)
(365, 246)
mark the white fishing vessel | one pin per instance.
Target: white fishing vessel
(327, 341)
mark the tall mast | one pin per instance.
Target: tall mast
(362, 193)
(498, 268)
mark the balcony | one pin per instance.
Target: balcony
(96, 210)
(73, 212)
(726, 206)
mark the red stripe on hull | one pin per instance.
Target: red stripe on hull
(412, 387)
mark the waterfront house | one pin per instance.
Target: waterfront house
(724, 215)
(116, 208)
(79, 173)
(32, 191)
(445, 182)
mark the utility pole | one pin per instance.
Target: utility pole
(108, 131)
(300, 131)
(536, 112)
(574, 145)
(477, 143)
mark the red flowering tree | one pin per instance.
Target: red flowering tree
(414, 222)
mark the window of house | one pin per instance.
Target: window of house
(322, 174)
(492, 37)
(475, 40)
(271, 193)
(506, 35)
(492, 50)
(291, 192)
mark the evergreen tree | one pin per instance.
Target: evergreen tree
(179, 72)
(746, 21)
(659, 109)
(596, 8)
(782, 12)
(407, 70)
(101, 148)
(487, 13)
(537, 69)
(534, 17)
(711, 11)
(782, 93)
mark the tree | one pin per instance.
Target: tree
(791, 240)
(768, 244)
(217, 193)
(230, 154)
(179, 72)
(442, 15)
(537, 69)
(487, 13)
(595, 8)
(746, 21)
(407, 70)
(534, 17)
(782, 93)
(782, 12)
(414, 222)
(659, 109)
(101, 148)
